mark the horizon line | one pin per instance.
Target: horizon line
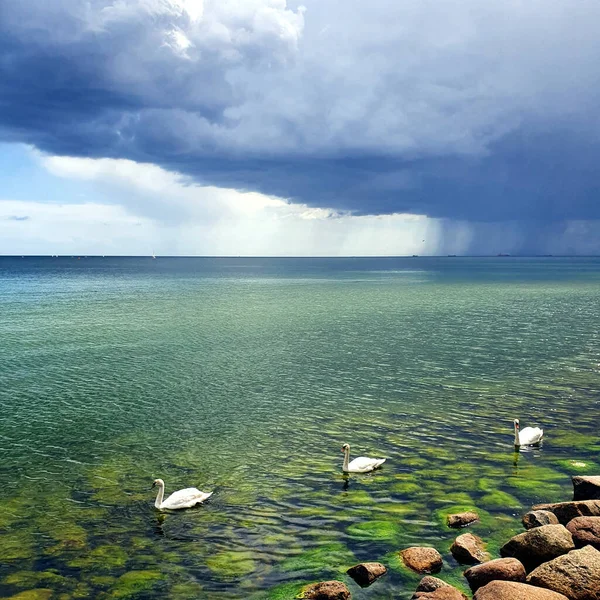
(150, 256)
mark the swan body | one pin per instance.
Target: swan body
(181, 499)
(528, 436)
(362, 464)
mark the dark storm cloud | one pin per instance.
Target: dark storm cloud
(459, 110)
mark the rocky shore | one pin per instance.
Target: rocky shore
(557, 557)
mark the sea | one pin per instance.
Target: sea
(244, 377)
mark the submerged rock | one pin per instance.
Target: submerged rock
(539, 545)
(585, 530)
(326, 590)
(422, 559)
(430, 584)
(503, 569)
(432, 588)
(537, 518)
(446, 592)
(366, 573)
(511, 590)
(469, 549)
(565, 511)
(576, 574)
(462, 519)
(586, 487)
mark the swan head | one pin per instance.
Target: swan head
(158, 482)
(516, 422)
(345, 447)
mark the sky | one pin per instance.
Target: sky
(322, 127)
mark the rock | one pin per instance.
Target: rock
(433, 588)
(565, 511)
(469, 549)
(511, 590)
(462, 519)
(537, 518)
(585, 530)
(366, 573)
(504, 569)
(430, 584)
(444, 593)
(586, 488)
(539, 545)
(576, 574)
(422, 559)
(326, 590)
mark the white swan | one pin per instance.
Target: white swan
(180, 499)
(362, 464)
(528, 436)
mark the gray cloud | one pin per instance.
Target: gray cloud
(461, 110)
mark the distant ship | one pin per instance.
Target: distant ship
(501, 254)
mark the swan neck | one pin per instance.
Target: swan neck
(159, 496)
(346, 459)
(517, 441)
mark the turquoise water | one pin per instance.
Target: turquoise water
(245, 377)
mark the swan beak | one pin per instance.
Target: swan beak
(153, 485)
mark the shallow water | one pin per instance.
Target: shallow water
(245, 376)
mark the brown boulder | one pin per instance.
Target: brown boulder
(586, 488)
(366, 573)
(511, 590)
(585, 531)
(539, 545)
(326, 590)
(565, 511)
(469, 549)
(422, 559)
(504, 569)
(462, 519)
(537, 518)
(576, 574)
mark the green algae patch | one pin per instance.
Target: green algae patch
(284, 591)
(398, 509)
(234, 563)
(572, 439)
(355, 497)
(406, 488)
(452, 498)
(500, 499)
(135, 583)
(334, 557)
(416, 462)
(189, 590)
(17, 546)
(102, 581)
(313, 511)
(578, 467)
(542, 490)
(38, 594)
(44, 578)
(102, 558)
(374, 530)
